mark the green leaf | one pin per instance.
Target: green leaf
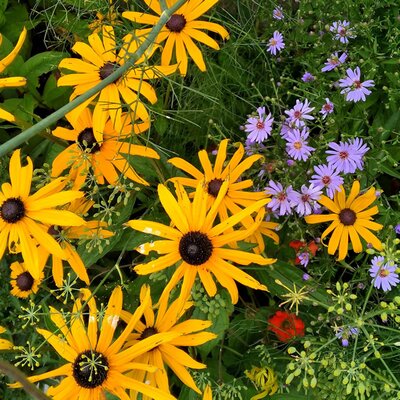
(390, 171)
(40, 64)
(125, 211)
(53, 96)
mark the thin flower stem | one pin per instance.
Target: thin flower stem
(15, 374)
(54, 117)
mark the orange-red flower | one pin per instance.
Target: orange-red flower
(286, 326)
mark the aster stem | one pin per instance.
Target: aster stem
(15, 374)
(57, 115)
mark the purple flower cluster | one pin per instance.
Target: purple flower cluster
(308, 77)
(327, 108)
(383, 273)
(344, 333)
(326, 176)
(297, 145)
(283, 201)
(334, 61)
(276, 43)
(342, 31)
(259, 128)
(354, 89)
(278, 13)
(299, 113)
(347, 156)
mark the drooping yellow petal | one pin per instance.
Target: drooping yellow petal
(6, 61)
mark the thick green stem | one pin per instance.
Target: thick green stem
(15, 374)
(54, 117)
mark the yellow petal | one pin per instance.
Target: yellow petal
(6, 61)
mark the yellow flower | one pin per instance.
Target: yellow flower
(99, 60)
(168, 353)
(264, 379)
(266, 228)
(64, 235)
(4, 343)
(180, 30)
(103, 154)
(236, 197)
(350, 220)
(24, 217)
(22, 282)
(197, 245)
(95, 363)
(15, 81)
(207, 394)
(110, 18)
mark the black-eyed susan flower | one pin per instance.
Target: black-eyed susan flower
(22, 282)
(4, 343)
(65, 235)
(99, 60)
(15, 81)
(350, 220)
(95, 363)
(24, 218)
(266, 228)
(236, 196)
(107, 155)
(170, 354)
(180, 31)
(197, 245)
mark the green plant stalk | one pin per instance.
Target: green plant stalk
(54, 117)
(14, 373)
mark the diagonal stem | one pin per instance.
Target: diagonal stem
(54, 117)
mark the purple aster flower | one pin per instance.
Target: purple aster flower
(304, 258)
(259, 128)
(306, 277)
(383, 274)
(397, 229)
(308, 77)
(281, 198)
(342, 31)
(344, 333)
(278, 13)
(306, 202)
(286, 127)
(354, 89)
(276, 43)
(334, 61)
(299, 113)
(326, 176)
(327, 108)
(347, 157)
(297, 145)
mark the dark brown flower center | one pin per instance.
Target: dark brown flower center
(24, 281)
(214, 186)
(107, 69)
(12, 210)
(287, 324)
(347, 216)
(90, 369)
(150, 331)
(195, 248)
(87, 141)
(176, 23)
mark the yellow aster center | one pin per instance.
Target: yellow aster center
(383, 273)
(297, 145)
